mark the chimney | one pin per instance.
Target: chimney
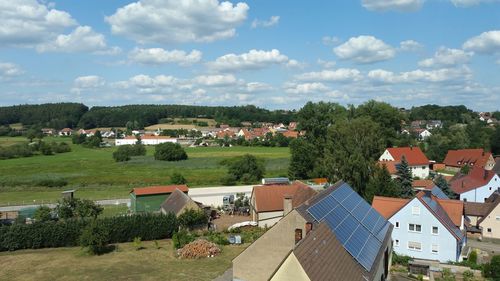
(309, 227)
(427, 192)
(485, 174)
(287, 204)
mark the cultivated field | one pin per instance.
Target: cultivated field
(125, 263)
(95, 175)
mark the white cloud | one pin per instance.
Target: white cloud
(306, 88)
(82, 39)
(447, 57)
(393, 5)
(91, 81)
(485, 43)
(274, 20)
(9, 70)
(410, 46)
(254, 59)
(442, 75)
(338, 75)
(253, 87)
(330, 40)
(170, 21)
(468, 3)
(365, 49)
(27, 22)
(326, 64)
(162, 56)
(215, 80)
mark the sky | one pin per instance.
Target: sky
(273, 54)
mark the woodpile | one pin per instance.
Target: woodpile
(199, 248)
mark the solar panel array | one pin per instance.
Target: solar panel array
(357, 226)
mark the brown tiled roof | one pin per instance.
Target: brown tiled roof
(476, 209)
(476, 178)
(425, 184)
(159, 189)
(413, 155)
(388, 206)
(269, 198)
(390, 166)
(453, 208)
(291, 134)
(175, 202)
(458, 158)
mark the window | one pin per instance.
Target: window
(416, 246)
(396, 243)
(397, 224)
(435, 230)
(415, 210)
(489, 230)
(434, 249)
(497, 218)
(423, 167)
(414, 227)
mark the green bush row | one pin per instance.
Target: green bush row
(66, 233)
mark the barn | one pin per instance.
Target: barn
(149, 199)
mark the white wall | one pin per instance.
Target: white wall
(212, 196)
(480, 193)
(446, 242)
(119, 142)
(269, 218)
(386, 156)
(421, 171)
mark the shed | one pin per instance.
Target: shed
(149, 199)
(178, 202)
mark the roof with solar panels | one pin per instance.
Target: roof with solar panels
(347, 233)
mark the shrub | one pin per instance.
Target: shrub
(472, 257)
(181, 238)
(400, 259)
(138, 243)
(246, 168)
(492, 269)
(95, 237)
(170, 152)
(468, 275)
(43, 213)
(177, 178)
(217, 238)
(52, 182)
(192, 218)
(62, 147)
(122, 154)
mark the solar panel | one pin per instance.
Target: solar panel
(357, 226)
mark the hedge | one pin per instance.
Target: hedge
(66, 233)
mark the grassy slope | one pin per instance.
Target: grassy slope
(95, 174)
(123, 264)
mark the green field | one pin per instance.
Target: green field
(125, 263)
(95, 175)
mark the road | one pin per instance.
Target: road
(210, 196)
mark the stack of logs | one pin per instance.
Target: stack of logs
(199, 248)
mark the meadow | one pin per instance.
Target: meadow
(95, 174)
(125, 263)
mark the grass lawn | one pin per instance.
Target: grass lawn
(95, 175)
(125, 263)
(114, 210)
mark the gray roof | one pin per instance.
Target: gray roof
(175, 202)
(497, 166)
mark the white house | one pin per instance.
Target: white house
(146, 140)
(423, 134)
(66, 132)
(418, 162)
(425, 227)
(478, 185)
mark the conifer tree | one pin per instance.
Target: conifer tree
(405, 179)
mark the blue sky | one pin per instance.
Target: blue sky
(274, 54)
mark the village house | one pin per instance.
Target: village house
(425, 227)
(178, 202)
(145, 140)
(292, 126)
(422, 134)
(150, 199)
(490, 222)
(418, 162)
(456, 159)
(66, 132)
(291, 134)
(419, 185)
(335, 235)
(48, 131)
(476, 186)
(268, 202)
(434, 124)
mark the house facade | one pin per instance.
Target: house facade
(425, 227)
(456, 159)
(490, 224)
(478, 185)
(418, 162)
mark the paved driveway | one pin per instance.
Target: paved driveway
(491, 248)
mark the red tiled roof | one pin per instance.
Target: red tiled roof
(476, 178)
(454, 209)
(458, 158)
(390, 165)
(388, 206)
(425, 184)
(269, 198)
(291, 134)
(413, 155)
(159, 189)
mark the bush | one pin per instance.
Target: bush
(122, 154)
(400, 259)
(192, 218)
(170, 152)
(95, 237)
(62, 147)
(52, 182)
(138, 243)
(181, 238)
(472, 257)
(492, 269)
(43, 213)
(177, 178)
(218, 238)
(468, 275)
(67, 233)
(246, 168)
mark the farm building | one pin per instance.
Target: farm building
(178, 202)
(146, 140)
(149, 199)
